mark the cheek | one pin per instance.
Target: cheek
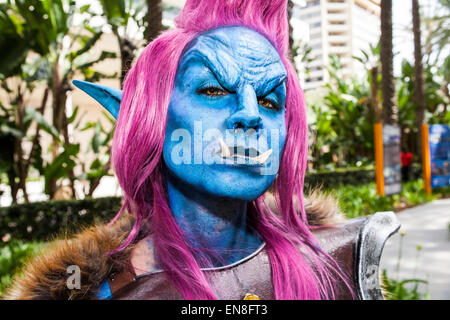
(283, 134)
(180, 110)
(277, 123)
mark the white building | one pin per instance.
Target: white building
(339, 27)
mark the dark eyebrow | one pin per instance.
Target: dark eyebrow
(208, 61)
(276, 86)
(196, 54)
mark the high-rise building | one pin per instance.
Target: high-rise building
(339, 27)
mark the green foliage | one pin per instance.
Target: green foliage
(13, 255)
(348, 176)
(118, 13)
(8, 134)
(14, 41)
(363, 200)
(32, 115)
(61, 165)
(343, 125)
(343, 118)
(434, 97)
(100, 144)
(43, 220)
(60, 48)
(329, 179)
(407, 289)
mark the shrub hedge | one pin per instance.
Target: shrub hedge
(330, 179)
(41, 220)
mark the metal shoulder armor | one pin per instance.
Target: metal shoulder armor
(371, 239)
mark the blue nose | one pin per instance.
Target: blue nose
(246, 115)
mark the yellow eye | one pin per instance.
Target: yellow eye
(266, 103)
(212, 92)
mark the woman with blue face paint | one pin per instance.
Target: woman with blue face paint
(211, 117)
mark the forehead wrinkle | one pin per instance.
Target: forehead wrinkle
(223, 66)
(258, 61)
(236, 62)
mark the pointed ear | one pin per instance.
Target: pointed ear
(108, 97)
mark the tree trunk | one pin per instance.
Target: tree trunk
(13, 184)
(418, 91)
(374, 94)
(36, 137)
(18, 154)
(390, 111)
(59, 94)
(126, 56)
(154, 19)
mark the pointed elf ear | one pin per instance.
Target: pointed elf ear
(109, 98)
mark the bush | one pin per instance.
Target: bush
(41, 220)
(351, 176)
(363, 200)
(13, 255)
(407, 289)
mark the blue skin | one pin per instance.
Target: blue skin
(108, 97)
(230, 77)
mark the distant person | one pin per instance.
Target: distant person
(406, 159)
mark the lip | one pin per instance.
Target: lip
(240, 155)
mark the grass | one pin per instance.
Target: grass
(13, 255)
(356, 201)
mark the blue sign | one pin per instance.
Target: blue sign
(439, 140)
(391, 160)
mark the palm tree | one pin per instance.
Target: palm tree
(436, 23)
(120, 13)
(153, 19)
(418, 96)
(390, 110)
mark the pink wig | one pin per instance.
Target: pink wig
(300, 270)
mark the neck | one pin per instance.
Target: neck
(216, 225)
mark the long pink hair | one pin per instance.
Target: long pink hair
(300, 269)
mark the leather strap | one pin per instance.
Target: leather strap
(120, 280)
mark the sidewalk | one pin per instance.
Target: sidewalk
(428, 226)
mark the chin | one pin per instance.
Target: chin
(228, 182)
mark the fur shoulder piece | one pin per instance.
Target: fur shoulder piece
(45, 276)
(321, 209)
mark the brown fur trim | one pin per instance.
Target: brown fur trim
(321, 208)
(45, 277)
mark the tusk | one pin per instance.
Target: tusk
(225, 152)
(262, 158)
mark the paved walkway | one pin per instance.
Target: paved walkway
(429, 227)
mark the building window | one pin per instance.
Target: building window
(310, 15)
(316, 79)
(312, 3)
